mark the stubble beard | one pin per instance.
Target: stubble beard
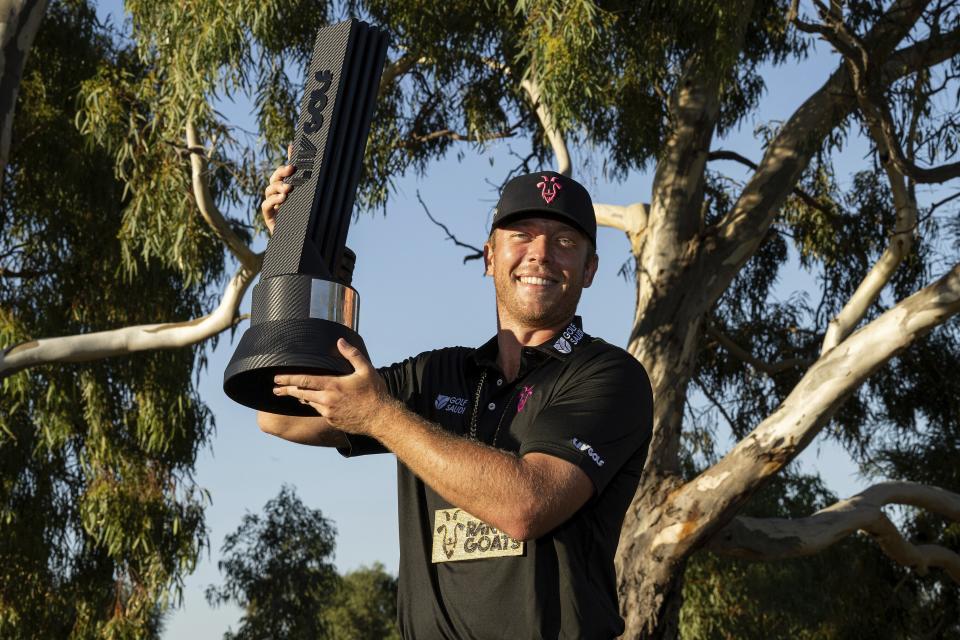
(548, 314)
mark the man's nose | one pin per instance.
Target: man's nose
(539, 249)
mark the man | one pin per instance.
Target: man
(517, 460)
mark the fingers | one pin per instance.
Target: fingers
(281, 172)
(276, 193)
(303, 381)
(353, 355)
(316, 399)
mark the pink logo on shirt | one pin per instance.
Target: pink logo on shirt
(524, 396)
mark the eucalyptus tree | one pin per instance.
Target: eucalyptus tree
(99, 517)
(278, 567)
(651, 86)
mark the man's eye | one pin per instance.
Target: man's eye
(567, 242)
(520, 235)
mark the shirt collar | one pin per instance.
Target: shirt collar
(561, 346)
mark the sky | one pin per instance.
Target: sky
(416, 294)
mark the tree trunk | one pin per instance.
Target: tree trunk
(19, 23)
(650, 581)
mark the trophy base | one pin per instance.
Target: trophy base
(281, 342)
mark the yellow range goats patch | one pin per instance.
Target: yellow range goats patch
(457, 535)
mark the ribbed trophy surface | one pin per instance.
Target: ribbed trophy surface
(303, 302)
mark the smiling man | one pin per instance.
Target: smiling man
(516, 460)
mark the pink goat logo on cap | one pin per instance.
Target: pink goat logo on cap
(549, 187)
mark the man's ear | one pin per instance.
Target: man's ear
(590, 270)
(488, 258)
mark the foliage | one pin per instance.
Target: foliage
(849, 591)
(365, 606)
(278, 568)
(99, 517)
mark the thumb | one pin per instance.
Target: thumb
(289, 152)
(353, 355)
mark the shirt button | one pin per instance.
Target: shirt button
(499, 381)
(492, 406)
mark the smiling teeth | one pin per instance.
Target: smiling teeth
(534, 280)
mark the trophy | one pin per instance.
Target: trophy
(304, 301)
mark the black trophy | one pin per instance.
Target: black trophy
(304, 301)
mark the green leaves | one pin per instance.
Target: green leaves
(278, 567)
(101, 517)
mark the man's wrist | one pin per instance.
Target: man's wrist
(386, 418)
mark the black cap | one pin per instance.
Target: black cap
(547, 194)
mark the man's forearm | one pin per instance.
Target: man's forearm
(315, 430)
(524, 497)
(496, 486)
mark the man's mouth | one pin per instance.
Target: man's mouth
(536, 280)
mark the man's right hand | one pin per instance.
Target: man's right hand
(276, 193)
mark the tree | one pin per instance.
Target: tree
(849, 590)
(99, 517)
(365, 607)
(651, 85)
(279, 569)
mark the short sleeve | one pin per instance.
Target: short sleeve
(599, 416)
(403, 383)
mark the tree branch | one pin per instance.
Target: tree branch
(939, 203)
(27, 273)
(900, 245)
(105, 344)
(705, 503)
(557, 141)
(740, 232)
(769, 368)
(631, 219)
(809, 200)
(208, 208)
(778, 538)
(393, 71)
(477, 252)
(19, 23)
(867, 88)
(465, 137)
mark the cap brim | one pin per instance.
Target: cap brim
(550, 214)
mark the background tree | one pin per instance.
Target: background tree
(365, 606)
(99, 517)
(648, 85)
(279, 569)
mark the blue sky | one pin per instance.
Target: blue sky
(416, 295)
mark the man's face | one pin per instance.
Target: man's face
(539, 268)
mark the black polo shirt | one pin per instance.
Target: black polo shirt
(576, 398)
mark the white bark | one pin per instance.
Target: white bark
(631, 219)
(19, 22)
(104, 344)
(901, 243)
(740, 232)
(395, 70)
(777, 538)
(208, 208)
(788, 430)
(557, 142)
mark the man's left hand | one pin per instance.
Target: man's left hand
(352, 403)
